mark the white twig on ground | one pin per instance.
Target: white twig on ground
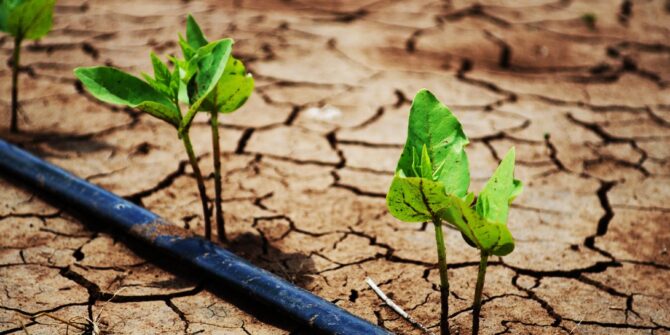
(395, 307)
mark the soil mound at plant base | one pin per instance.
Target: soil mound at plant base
(584, 103)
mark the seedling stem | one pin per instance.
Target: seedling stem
(220, 224)
(477, 307)
(201, 184)
(16, 58)
(444, 281)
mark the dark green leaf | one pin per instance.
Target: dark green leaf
(432, 124)
(6, 9)
(31, 19)
(186, 48)
(161, 72)
(194, 35)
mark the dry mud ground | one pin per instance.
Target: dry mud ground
(587, 107)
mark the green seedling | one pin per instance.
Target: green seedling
(431, 184)
(484, 226)
(160, 95)
(432, 166)
(23, 19)
(231, 92)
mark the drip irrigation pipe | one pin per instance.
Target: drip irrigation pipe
(170, 240)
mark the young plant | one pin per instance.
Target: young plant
(431, 184)
(484, 224)
(160, 96)
(231, 92)
(23, 19)
(432, 166)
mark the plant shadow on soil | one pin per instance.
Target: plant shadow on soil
(293, 267)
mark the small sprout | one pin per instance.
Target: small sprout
(191, 80)
(589, 20)
(23, 19)
(431, 184)
(231, 92)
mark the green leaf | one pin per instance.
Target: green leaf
(161, 72)
(432, 124)
(117, 87)
(6, 8)
(210, 62)
(186, 49)
(494, 200)
(426, 166)
(162, 79)
(160, 111)
(194, 35)
(487, 236)
(413, 199)
(232, 90)
(175, 86)
(31, 19)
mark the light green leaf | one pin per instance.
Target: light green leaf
(505, 244)
(488, 236)
(117, 87)
(426, 166)
(432, 124)
(413, 199)
(494, 200)
(233, 89)
(31, 19)
(210, 62)
(194, 35)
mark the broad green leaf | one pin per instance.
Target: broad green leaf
(488, 236)
(6, 9)
(211, 61)
(194, 35)
(31, 19)
(117, 87)
(432, 124)
(413, 199)
(232, 90)
(494, 200)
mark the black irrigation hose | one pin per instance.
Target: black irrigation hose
(228, 269)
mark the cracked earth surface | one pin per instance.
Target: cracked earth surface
(587, 107)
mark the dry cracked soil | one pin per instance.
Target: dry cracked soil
(579, 87)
